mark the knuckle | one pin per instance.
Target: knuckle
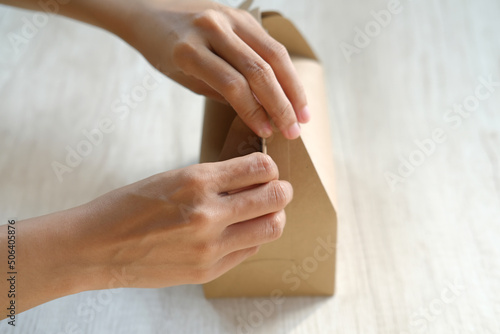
(275, 226)
(260, 72)
(278, 195)
(184, 55)
(195, 215)
(277, 52)
(209, 20)
(206, 253)
(234, 88)
(250, 114)
(195, 177)
(195, 194)
(282, 113)
(263, 162)
(200, 218)
(243, 13)
(245, 17)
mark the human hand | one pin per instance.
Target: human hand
(214, 50)
(185, 226)
(225, 54)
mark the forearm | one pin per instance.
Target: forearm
(42, 261)
(172, 228)
(112, 15)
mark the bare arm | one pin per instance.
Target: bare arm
(185, 226)
(211, 49)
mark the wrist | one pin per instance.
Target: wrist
(116, 16)
(51, 260)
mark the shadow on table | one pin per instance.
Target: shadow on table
(263, 315)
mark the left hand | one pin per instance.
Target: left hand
(225, 54)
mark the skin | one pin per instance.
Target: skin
(212, 49)
(184, 226)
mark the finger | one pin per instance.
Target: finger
(255, 202)
(254, 232)
(238, 173)
(276, 55)
(222, 77)
(232, 260)
(198, 86)
(261, 79)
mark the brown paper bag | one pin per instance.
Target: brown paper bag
(302, 261)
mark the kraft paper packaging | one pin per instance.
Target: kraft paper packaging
(302, 261)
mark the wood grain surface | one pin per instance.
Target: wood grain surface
(416, 129)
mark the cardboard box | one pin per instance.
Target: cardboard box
(302, 261)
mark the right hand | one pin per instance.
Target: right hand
(184, 226)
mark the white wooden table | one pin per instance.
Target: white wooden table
(418, 254)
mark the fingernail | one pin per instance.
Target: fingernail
(266, 131)
(306, 114)
(293, 131)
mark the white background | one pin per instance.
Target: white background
(401, 248)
